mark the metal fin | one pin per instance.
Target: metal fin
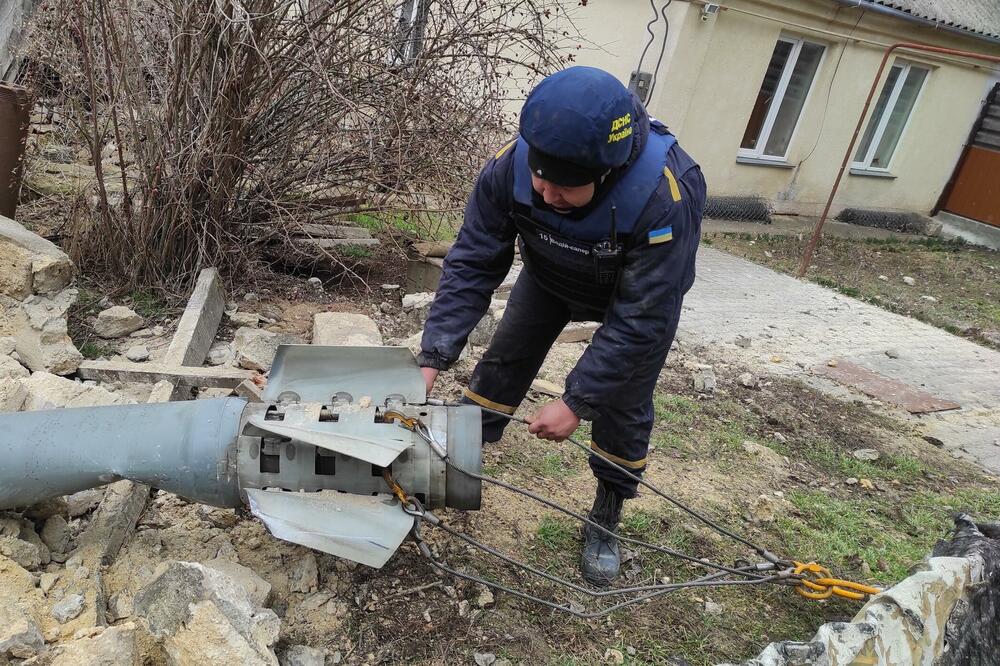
(367, 530)
(314, 373)
(355, 434)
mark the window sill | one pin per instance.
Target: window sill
(756, 161)
(870, 173)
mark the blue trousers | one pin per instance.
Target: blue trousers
(533, 320)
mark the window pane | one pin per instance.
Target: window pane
(897, 119)
(876, 117)
(766, 94)
(793, 100)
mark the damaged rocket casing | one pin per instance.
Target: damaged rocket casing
(308, 460)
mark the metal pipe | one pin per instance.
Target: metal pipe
(181, 447)
(868, 6)
(818, 231)
(822, 31)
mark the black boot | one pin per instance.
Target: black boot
(601, 555)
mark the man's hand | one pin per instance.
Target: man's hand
(430, 375)
(554, 421)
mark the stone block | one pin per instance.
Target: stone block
(203, 616)
(578, 332)
(115, 646)
(13, 393)
(117, 322)
(258, 589)
(47, 391)
(6, 345)
(345, 329)
(29, 264)
(255, 348)
(11, 369)
(20, 637)
(40, 335)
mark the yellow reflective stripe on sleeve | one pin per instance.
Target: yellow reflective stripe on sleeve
(504, 150)
(675, 191)
(486, 402)
(630, 464)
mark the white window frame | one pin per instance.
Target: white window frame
(890, 106)
(779, 96)
(408, 46)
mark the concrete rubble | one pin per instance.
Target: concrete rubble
(201, 615)
(35, 296)
(255, 347)
(117, 322)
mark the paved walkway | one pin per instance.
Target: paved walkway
(807, 325)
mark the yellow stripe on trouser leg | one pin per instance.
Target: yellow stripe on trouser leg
(486, 402)
(630, 464)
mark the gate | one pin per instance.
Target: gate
(974, 190)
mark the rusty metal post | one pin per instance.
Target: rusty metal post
(15, 116)
(818, 231)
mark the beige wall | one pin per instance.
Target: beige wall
(713, 69)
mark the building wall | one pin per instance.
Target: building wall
(13, 14)
(712, 71)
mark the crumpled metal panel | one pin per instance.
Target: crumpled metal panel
(363, 529)
(315, 373)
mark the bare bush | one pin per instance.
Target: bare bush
(213, 125)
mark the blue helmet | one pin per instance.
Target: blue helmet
(579, 124)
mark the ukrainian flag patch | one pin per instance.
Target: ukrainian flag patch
(661, 235)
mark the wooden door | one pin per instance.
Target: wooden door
(974, 191)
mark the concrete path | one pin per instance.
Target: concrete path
(807, 325)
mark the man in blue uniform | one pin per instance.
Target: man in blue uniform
(607, 210)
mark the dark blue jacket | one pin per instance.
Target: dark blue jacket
(643, 314)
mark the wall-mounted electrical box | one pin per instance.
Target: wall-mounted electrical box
(639, 83)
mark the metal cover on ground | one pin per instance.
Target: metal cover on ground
(884, 388)
(315, 373)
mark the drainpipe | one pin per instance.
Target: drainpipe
(869, 6)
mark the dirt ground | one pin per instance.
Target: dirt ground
(773, 462)
(804, 496)
(955, 286)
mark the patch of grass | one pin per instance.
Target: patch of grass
(838, 532)
(554, 466)
(832, 459)
(148, 304)
(94, 350)
(355, 251)
(836, 286)
(422, 226)
(557, 533)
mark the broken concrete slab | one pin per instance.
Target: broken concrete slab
(13, 393)
(115, 646)
(249, 391)
(9, 368)
(256, 587)
(578, 332)
(20, 638)
(117, 322)
(255, 348)
(29, 264)
(150, 373)
(346, 329)
(120, 508)
(41, 337)
(6, 345)
(199, 323)
(203, 616)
